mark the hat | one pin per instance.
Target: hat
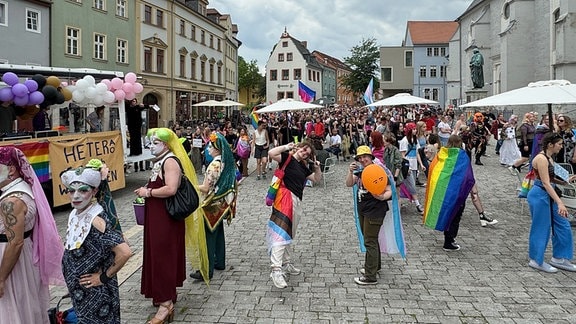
(88, 176)
(363, 150)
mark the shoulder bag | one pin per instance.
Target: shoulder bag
(275, 183)
(185, 201)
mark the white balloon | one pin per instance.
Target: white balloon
(101, 88)
(109, 97)
(90, 79)
(78, 96)
(82, 84)
(99, 100)
(71, 88)
(90, 92)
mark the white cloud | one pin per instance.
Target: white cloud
(329, 26)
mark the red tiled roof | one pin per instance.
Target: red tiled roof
(431, 32)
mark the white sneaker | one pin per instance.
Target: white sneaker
(512, 170)
(278, 279)
(289, 268)
(542, 267)
(563, 264)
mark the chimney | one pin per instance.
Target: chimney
(305, 44)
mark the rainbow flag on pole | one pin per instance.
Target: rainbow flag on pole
(37, 155)
(450, 179)
(306, 94)
(254, 118)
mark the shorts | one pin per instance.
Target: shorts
(260, 151)
(525, 154)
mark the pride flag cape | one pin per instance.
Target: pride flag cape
(37, 155)
(391, 235)
(450, 179)
(306, 94)
(254, 118)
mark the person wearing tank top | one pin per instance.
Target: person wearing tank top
(549, 213)
(261, 145)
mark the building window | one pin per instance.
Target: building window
(121, 8)
(3, 13)
(182, 66)
(202, 37)
(99, 46)
(193, 68)
(148, 14)
(426, 93)
(289, 57)
(159, 18)
(436, 51)
(429, 51)
(443, 51)
(285, 75)
(211, 41)
(202, 71)
(32, 20)
(297, 74)
(386, 74)
(219, 76)
(281, 57)
(433, 71)
(159, 61)
(309, 75)
(122, 51)
(284, 44)
(193, 33)
(273, 75)
(182, 28)
(290, 94)
(211, 73)
(506, 10)
(442, 71)
(100, 4)
(435, 94)
(73, 41)
(219, 45)
(408, 58)
(147, 59)
(422, 71)
(279, 95)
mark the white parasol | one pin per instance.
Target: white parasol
(287, 104)
(401, 99)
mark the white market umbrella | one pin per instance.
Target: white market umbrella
(401, 99)
(208, 103)
(231, 103)
(552, 92)
(287, 104)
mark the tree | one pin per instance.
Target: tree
(364, 64)
(249, 78)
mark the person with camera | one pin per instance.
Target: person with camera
(287, 209)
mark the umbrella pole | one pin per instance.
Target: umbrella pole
(550, 120)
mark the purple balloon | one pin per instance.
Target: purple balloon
(6, 94)
(19, 90)
(10, 78)
(21, 101)
(36, 98)
(31, 85)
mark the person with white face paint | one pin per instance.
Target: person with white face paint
(30, 248)
(94, 251)
(166, 240)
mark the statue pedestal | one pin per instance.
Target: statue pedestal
(476, 94)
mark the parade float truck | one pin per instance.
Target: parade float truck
(69, 95)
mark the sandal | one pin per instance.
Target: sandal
(167, 319)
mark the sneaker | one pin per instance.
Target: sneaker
(363, 271)
(420, 209)
(263, 175)
(365, 281)
(451, 247)
(278, 279)
(512, 170)
(258, 177)
(542, 267)
(563, 264)
(289, 268)
(486, 220)
(198, 276)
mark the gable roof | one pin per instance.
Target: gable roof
(431, 32)
(471, 7)
(330, 61)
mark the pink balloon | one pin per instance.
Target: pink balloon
(119, 94)
(36, 98)
(63, 84)
(138, 87)
(117, 83)
(130, 77)
(6, 94)
(130, 96)
(21, 101)
(107, 83)
(128, 87)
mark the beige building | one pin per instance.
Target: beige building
(396, 70)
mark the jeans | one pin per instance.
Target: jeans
(370, 229)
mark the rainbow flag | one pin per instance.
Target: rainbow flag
(37, 154)
(254, 118)
(450, 179)
(306, 94)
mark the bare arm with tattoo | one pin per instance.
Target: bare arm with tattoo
(12, 213)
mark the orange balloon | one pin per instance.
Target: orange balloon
(374, 179)
(67, 94)
(53, 81)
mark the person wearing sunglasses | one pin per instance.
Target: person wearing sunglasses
(568, 152)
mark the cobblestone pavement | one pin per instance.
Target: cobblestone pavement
(487, 281)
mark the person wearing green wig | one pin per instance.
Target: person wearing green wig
(168, 241)
(219, 191)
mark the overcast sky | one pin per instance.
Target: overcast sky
(330, 26)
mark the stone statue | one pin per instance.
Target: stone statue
(476, 69)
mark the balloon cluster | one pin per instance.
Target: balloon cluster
(35, 91)
(87, 91)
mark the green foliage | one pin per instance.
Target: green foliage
(363, 61)
(248, 74)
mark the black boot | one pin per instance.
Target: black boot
(478, 162)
